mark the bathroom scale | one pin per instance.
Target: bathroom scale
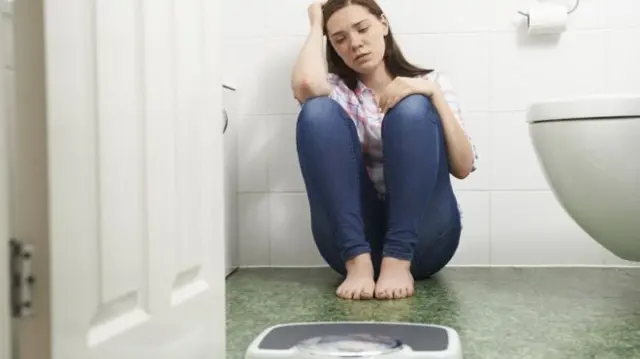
(370, 340)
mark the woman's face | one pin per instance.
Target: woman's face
(358, 37)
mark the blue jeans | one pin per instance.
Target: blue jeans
(418, 219)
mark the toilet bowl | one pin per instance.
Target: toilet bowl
(589, 151)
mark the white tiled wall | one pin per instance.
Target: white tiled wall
(511, 217)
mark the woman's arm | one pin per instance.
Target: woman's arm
(461, 152)
(459, 147)
(309, 77)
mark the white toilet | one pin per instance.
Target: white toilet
(589, 150)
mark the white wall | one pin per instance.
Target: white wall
(511, 217)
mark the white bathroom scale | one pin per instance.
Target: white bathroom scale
(366, 340)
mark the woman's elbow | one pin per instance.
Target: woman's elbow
(305, 89)
(462, 172)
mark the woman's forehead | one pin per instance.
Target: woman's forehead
(348, 17)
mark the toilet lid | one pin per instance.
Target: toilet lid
(585, 107)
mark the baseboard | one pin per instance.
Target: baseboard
(282, 266)
(601, 266)
(544, 266)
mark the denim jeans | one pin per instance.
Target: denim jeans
(418, 218)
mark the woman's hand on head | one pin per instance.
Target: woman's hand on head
(402, 87)
(315, 12)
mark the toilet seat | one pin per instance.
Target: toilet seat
(585, 108)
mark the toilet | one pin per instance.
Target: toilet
(589, 151)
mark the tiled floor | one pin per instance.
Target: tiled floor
(499, 313)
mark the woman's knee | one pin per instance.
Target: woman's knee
(413, 108)
(317, 110)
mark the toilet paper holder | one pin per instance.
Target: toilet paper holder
(568, 12)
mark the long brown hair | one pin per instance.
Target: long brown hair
(395, 61)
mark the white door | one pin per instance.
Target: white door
(5, 318)
(128, 223)
(6, 111)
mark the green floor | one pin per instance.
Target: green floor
(499, 313)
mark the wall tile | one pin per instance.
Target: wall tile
(463, 58)
(525, 69)
(244, 18)
(622, 51)
(437, 16)
(264, 80)
(514, 164)
(286, 18)
(531, 228)
(275, 79)
(475, 245)
(620, 14)
(253, 232)
(253, 141)
(284, 170)
(244, 63)
(587, 15)
(290, 229)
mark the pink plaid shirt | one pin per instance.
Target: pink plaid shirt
(361, 106)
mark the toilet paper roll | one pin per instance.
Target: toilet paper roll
(547, 18)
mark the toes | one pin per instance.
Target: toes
(399, 293)
(407, 292)
(378, 293)
(354, 293)
(349, 294)
(366, 294)
(383, 291)
(382, 294)
(343, 293)
(394, 293)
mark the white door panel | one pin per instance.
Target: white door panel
(134, 181)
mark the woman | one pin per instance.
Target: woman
(377, 138)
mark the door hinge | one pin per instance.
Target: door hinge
(22, 278)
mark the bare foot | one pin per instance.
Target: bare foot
(395, 279)
(359, 283)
